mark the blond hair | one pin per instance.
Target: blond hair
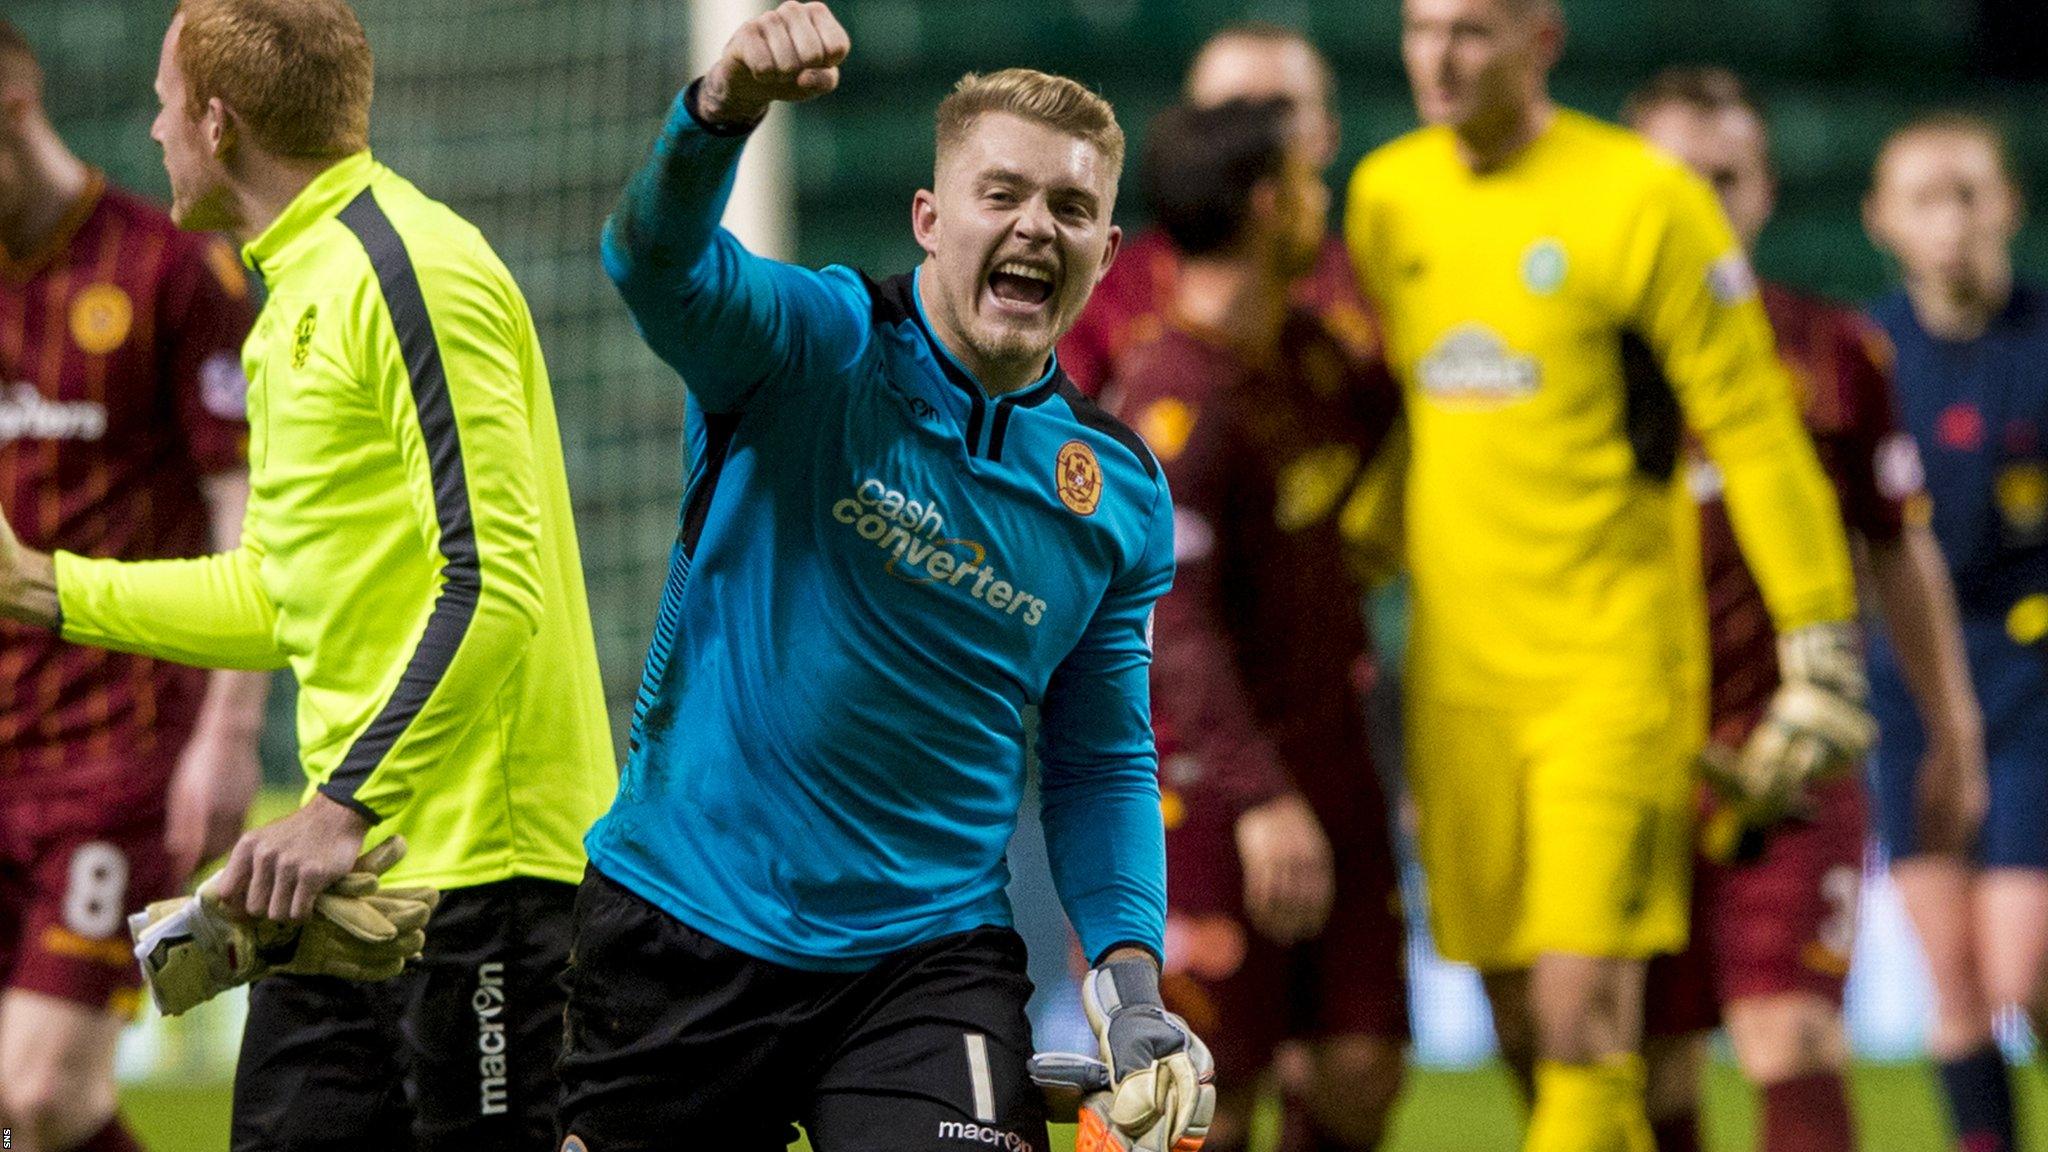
(1054, 101)
(297, 72)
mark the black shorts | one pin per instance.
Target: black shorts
(677, 1041)
(456, 1054)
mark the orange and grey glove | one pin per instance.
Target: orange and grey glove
(1151, 1089)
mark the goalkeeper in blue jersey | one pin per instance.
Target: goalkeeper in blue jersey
(902, 527)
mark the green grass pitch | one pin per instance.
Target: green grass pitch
(1896, 1106)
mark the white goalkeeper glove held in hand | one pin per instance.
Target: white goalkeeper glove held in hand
(1152, 1091)
(196, 947)
(1815, 728)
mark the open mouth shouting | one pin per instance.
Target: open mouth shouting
(1021, 287)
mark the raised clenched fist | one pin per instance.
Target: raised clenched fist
(792, 53)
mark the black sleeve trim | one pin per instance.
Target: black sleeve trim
(350, 802)
(462, 574)
(1091, 415)
(696, 117)
(718, 431)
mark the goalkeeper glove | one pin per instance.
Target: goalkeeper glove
(1076, 1091)
(1151, 1090)
(1815, 727)
(1733, 831)
(196, 947)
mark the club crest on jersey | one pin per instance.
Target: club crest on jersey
(101, 317)
(1077, 475)
(1544, 266)
(1471, 364)
(302, 336)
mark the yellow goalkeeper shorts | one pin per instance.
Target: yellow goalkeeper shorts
(1559, 829)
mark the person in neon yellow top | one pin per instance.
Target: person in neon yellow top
(409, 554)
(1561, 302)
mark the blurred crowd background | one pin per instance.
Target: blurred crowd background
(526, 116)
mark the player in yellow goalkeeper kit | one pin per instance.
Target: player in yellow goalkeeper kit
(1560, 302)
(409, 554)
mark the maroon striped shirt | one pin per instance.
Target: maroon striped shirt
(120, 389)
(1260, 648)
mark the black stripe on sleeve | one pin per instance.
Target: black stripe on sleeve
(1090, 415)
(718, 430)
(456, 604)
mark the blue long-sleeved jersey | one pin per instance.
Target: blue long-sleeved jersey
(879, 567)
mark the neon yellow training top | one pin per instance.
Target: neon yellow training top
(409, 550)
(1554, 324)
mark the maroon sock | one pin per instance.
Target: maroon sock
(115, 1137)
(1809, 1114)
(1679, 1133)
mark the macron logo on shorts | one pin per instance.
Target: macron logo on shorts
(489, 1003)
(983, 1134)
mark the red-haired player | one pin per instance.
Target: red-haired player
(121, 433)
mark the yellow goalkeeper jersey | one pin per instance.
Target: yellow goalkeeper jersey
(1551, 322)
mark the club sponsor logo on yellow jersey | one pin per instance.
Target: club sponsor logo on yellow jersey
(101, 317)
(1077, 474)
(912, 533)
(1473, 365)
